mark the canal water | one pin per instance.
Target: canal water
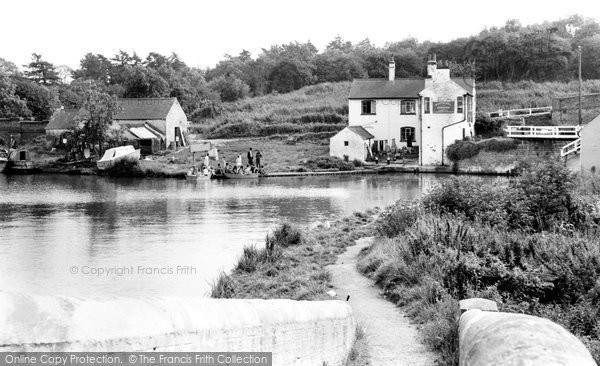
(94, 237)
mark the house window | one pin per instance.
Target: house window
(408, 107)
(407, 134)
(459, 105)
(368, 107)
(345, 143)
(427, 105)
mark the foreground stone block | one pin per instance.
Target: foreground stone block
(490, 338)
(297, 332)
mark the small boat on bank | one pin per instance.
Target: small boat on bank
(3, 159)
(195, 175)
(116, 154)
(19, 161)
(241, 176)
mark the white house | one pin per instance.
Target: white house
(150, 124)
(426, 114)
(151, 118)
(351, 143)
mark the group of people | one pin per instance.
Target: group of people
(253, 164)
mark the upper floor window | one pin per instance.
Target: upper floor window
(367, 107)
(408, 107)
(427, 105)
(459, 105)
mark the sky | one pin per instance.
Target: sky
(202, 32)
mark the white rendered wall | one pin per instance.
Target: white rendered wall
(356, 148)
(388, 119)
(297, 332)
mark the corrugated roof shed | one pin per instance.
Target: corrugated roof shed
(63, 119)
(359, 130)
(144, 108)
(383, 88)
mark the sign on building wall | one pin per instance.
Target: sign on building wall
(443, 107)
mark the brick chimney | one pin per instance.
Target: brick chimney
(431, 66)
(392, 69)
(443, 72)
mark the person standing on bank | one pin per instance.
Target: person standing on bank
(258, 155)
(206, 161)
(238, 163)
(250, 157)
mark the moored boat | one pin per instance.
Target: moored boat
(116, 154)
(241, 176)
(197, 175)
(19, 161)
(3, 159)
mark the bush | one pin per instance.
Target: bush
(330, 162)
(397, 218)
(498, 144)
(125, 168)
(284, 236)
(461, 150)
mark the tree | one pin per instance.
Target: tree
(94, 67)
(11, 105)
(229, 88)
(41, 101)
(96, 116)
(590, 57)
(8, 68)
(40, 71)
(289, 75)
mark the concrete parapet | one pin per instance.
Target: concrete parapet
(477, 303)
(296, 332)
(492, 338)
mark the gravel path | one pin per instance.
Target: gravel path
(391, 338)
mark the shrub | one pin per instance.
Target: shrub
(498, 144)
(461, 150)
(357, 163)
(125, 168)
(397, 218)
(284, 236)
(330, 162)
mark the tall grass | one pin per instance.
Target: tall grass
(531, 245)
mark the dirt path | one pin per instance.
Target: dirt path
(392, 339)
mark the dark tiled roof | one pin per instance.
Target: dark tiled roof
(466, 83)
(63, 119)
(144, 108)
(383, 88)
(360, 131)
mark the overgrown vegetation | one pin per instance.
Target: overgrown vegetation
(330, 162)
(292, 264)
(137, 169)
(530, 244)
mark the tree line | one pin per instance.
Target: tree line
(539, 52)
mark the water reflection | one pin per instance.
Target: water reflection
(52, 223)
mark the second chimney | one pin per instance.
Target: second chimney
(392, 69)
(431, 66)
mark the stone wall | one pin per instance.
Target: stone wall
(296, 332)
(496, 338)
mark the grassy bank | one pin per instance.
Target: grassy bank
(316, 108)
(291, 265)
(530, 244)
